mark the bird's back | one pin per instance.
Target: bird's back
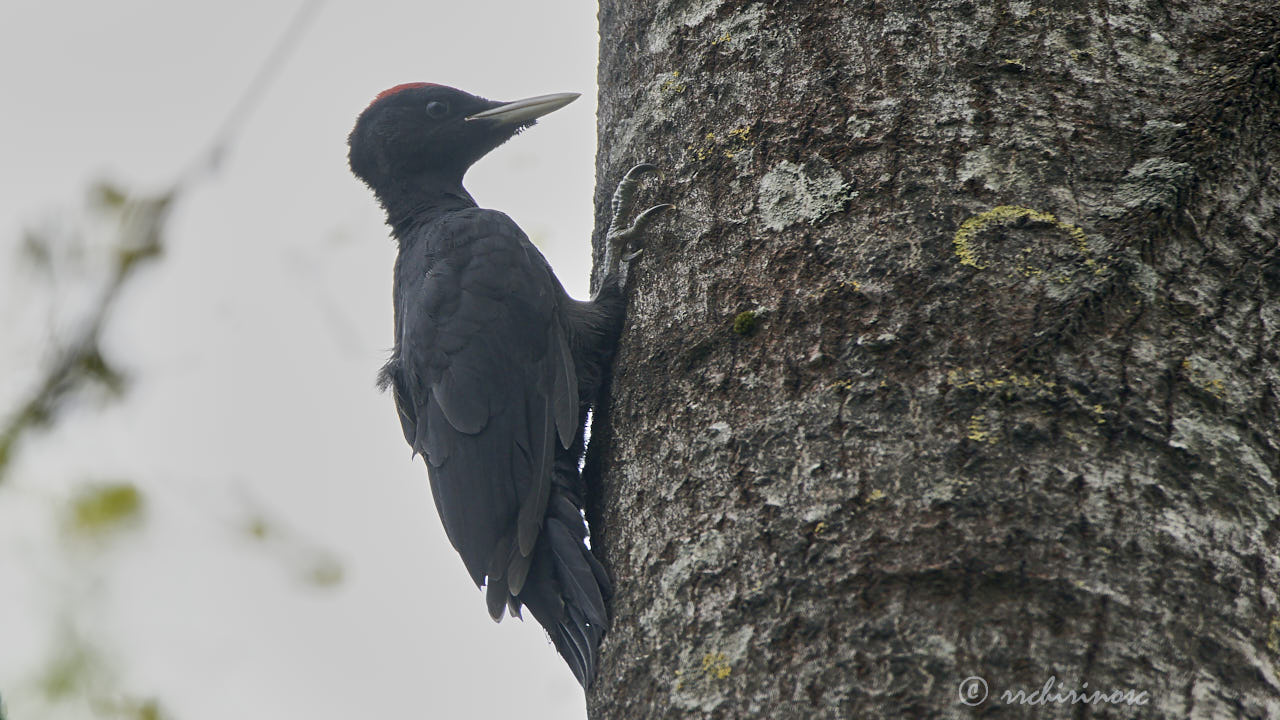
(483, 378)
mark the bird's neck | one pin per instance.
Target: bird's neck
(421, 200)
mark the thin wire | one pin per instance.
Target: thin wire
(252, 94)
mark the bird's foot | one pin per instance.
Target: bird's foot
(621, 242)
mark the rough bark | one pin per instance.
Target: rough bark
(959, 358)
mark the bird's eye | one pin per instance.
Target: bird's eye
(437, 109)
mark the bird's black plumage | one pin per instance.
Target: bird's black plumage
(494, 364)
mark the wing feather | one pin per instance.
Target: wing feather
(484, 378)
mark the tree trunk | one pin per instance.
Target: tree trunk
(958, 359)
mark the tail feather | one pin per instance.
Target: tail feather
(579, 582)
(564, 593)
(495, 597)
(585, 638)
(560, 581)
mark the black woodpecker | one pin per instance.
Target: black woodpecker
(494, 365)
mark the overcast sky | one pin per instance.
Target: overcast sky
(253, 346)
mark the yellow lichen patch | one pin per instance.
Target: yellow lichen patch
(1005, 214)
(842, 385)
(978, 431)
(674, 84)
(828, 291)
(734, 142)
(737, 140)
(1033, 14)
(1203, 375)
(976, 380)
(875, 495)
(716, 665)
(1020, 385)
(722, 39)
(817, 529)
(705, 149)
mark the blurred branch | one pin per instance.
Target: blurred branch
(79, 669)
(81, 362)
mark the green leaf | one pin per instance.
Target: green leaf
(107, 195)
(101, 507)
(146, 710)
(70, 673)
(325, 572)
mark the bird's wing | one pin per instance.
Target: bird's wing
(485, 383)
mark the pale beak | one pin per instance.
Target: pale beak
(525, 110)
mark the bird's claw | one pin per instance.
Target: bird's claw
(624, 194)
(638, 226)
(618, 238)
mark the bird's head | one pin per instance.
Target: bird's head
(424, 132)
